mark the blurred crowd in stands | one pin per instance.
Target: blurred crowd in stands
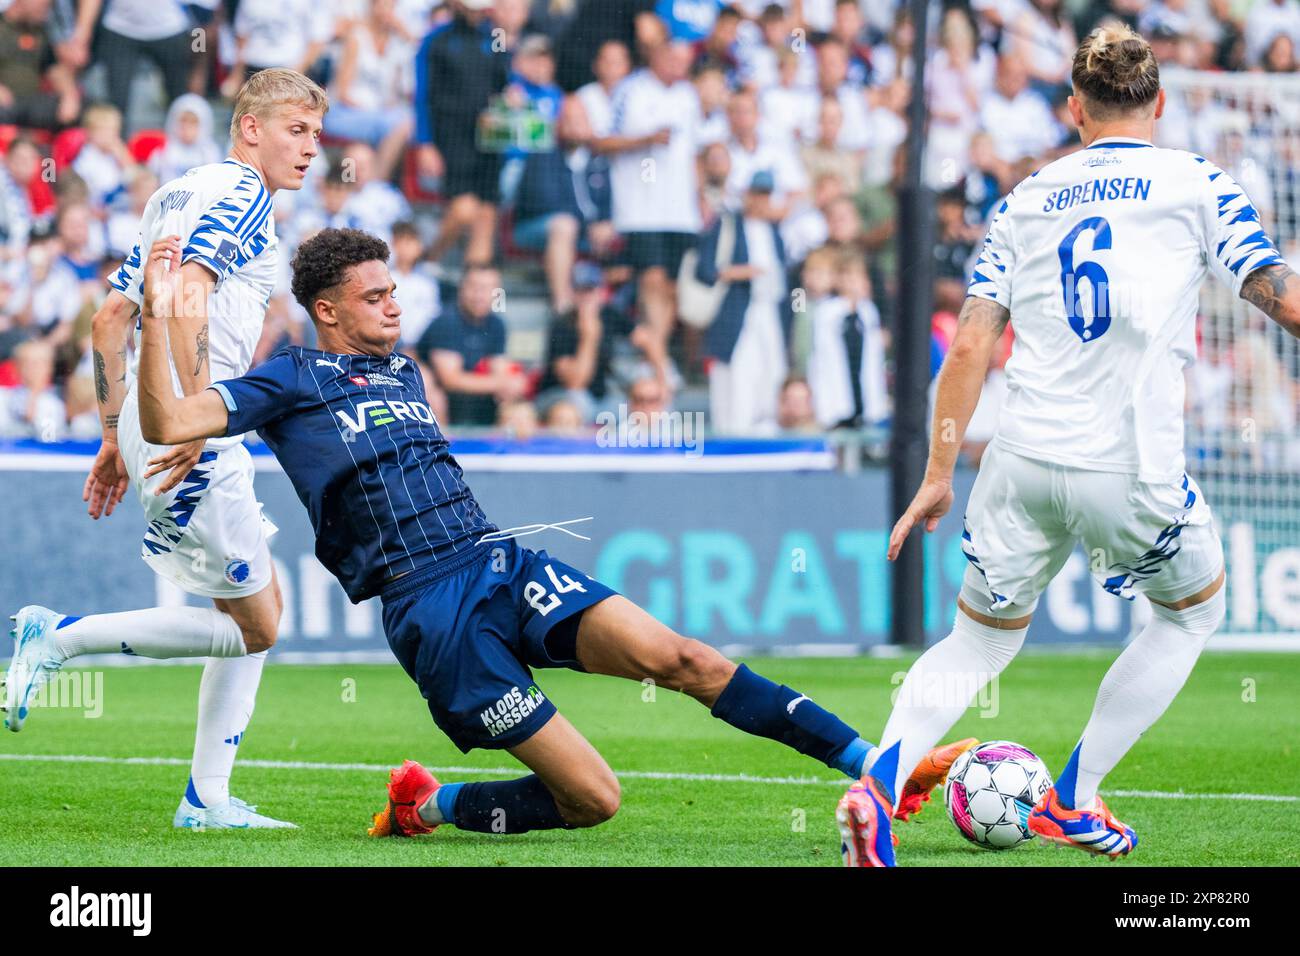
(590, 204)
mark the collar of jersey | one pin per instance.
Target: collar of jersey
(1118, 142)
(240, 162)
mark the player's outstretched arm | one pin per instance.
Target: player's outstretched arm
(109, 330)
(1275, 291)
(165, 418)
(979, 327)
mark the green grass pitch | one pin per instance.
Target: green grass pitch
(1233, 731)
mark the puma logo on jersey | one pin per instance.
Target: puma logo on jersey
(385, 413)
(329, 364)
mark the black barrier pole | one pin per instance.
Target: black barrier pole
(908, 441)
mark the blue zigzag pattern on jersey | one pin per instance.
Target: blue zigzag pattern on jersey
(179, 512)
(968, 549)
(235, 220)
(1165, 547)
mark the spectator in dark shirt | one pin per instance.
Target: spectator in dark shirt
(547, 214)
(28, 66)
(580, 346)
(457, 72)
(466, 347)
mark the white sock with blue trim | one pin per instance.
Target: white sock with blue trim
(227, 695)
(157, 632)
(936, 692)
(1138, 688)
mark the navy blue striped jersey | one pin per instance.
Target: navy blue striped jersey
(357, 439)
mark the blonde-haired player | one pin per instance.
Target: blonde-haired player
(205, 531)
(1097, 261)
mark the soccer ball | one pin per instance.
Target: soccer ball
(990, 790)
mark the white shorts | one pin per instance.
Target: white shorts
(1025, 517)
(208, 534)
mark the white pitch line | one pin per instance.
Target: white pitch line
(626, 774)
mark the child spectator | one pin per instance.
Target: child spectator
(16, 213)
(104, 161)
(189, 139)
(33, 408)
(374, 203)
(417, 290)
(747, 338)
(123, 227)
(848, 354)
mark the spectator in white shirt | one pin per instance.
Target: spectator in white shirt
(832, 73)
(790, 105)
(759, 60)
(123, 226)
(190, 141)
(1019, 118)
(375, 203)
(16, 214)
(417, 290)
(653, 143)
(370, 98)
(33, 408)
(750, 154)
(1268, 18)
(1043, 37)
(103, 162)
(847, 361)
(284, 33)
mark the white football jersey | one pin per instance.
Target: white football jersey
(1099, 257)
(222, 212)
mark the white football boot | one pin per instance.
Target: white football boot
(34, 663)
(232, 815)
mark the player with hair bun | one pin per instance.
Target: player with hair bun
(1096, 261)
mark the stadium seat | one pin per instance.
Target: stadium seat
(145, 143)
(411, 182)
(67, 145)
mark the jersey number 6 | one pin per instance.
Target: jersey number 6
(1087, 328)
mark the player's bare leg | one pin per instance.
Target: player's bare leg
(617, 638)
(482, 233)
(1136, 691)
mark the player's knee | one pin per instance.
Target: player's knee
(694, 663)
(258, 639)
(598, 802)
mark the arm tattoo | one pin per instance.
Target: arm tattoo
(1275, 291)
(110, 422)
(201, 349)
(101, 378)
(984, 312)
(122, 355)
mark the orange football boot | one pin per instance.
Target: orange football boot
(929, 773)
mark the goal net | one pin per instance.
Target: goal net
(1243, 396)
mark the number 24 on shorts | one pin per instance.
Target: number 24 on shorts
(547, 601)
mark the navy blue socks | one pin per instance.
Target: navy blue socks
(752, 703)
(501, 806)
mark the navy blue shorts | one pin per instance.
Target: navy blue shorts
(469, 638)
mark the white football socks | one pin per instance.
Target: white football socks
(158, 632)
(1140, 686)
(940, 686)
(227, 694)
